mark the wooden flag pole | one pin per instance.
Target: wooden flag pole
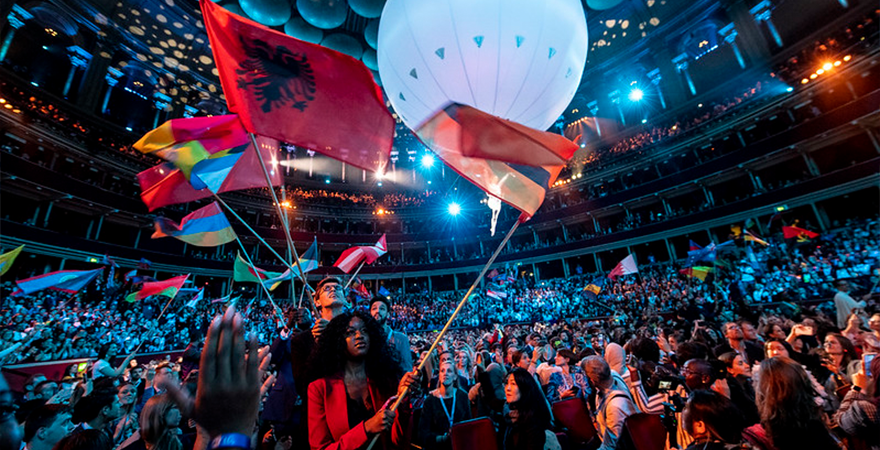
(301, 295)
(281, 216)
(350, 280)
(453, 316)
(259, 281)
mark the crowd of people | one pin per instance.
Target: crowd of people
(713, 371)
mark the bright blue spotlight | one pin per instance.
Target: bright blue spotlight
(326, 181)
(635, 95)
(454, 209)
(428, 161)
(789, 89)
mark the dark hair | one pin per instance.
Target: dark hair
(90, 406)
(531, 406)
(516, 355)
(102, 352)
(41, 417)
(874, 382)
(645, 349)
(91, 439)
(784, 343)
(567, 353)
(382, 364)
(383, 299)
(722, 418)
(849, 350)
(728, 358)
(689, 350)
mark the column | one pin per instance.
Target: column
(596, 226)
(593, 106)
(48, 213)
(455, 281)
(821, 216)
(93, 80)
(614, 96)
(811, 164)
(666, 206)
(656, 78)
(535, 236)
(79, 59)
(535, 271)
(16, 16)
(137, 238)
(430, 285)
(564, 231)
(873, 139)
(681, 65)
(709, 198)
(756, 183)
(565, 269)
(454, 248)
(762, 13)
(112, 78)
(670, 249)
(598, 262)
(98, 231)
(728, 32)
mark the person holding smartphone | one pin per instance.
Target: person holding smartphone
(569, 381)
(858, 414)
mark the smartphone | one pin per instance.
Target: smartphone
(806, 278)
(664, 385)
(867, 358)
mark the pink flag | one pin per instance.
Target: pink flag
(625, 267)
(353, 256)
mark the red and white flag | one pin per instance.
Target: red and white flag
(353, 256)
(625, 267)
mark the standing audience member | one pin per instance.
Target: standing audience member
(530, 418)
(357, 375)
(611, 406)
(46, 426)
(379, 309)
(445, 406)
(713, 421)
(859, 413)
(163, 375)
(790, 417)
(844, 303)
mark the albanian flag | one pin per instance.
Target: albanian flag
(298, 92)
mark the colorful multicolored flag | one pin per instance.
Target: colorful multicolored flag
(360, 289)
(166, 184)
(593, 289)
(624, 267)
(300, 93)
(696, 272)
(8, 258)
(242, 271)
(353, 256)
(205, 227)
(167, 288)
(308, 261)
(70, 281)
(509, 161)
(694, 246)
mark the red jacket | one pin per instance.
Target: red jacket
(328, 418)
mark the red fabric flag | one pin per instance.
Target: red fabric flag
(353, 256)
(165, 184)
(298, 92)
(797, 232)
(518, 172)
(167, 287)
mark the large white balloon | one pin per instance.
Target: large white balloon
(517, 59)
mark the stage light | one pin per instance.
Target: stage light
(644, 120)
(454, 209)
(635, 95)
(813, 76)
(327, 181)
(805, 81)
(428, 161)
(847, 58)
(820, 71)
(789, 89)
(836, 63)
(827, 66)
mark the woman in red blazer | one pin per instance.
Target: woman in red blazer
(358, 377)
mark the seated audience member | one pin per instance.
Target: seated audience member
(357, 374)
(611, 406)
(713, 421)
(530, 418)
(159, 422)
(445, 406)
(98, 411)
(45, 426)
(163, 375)
(570, 381)
(85, 440)
(859, 413)
(790, 417)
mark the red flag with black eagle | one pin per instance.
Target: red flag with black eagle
(298, 92)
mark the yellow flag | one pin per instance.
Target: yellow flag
(7, 259)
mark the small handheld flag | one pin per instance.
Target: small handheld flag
(167, 288)
(196, 299)
(205, 227)
(624, 267)
(8, 258)
(353, 256)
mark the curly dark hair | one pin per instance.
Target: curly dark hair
(382, 364)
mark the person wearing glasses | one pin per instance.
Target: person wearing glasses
(330, 301)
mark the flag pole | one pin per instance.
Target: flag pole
(259, 281)
(167, 304)
(301, 295)
(263, 241)
(348, 283)
(281, 216)
(454, 315)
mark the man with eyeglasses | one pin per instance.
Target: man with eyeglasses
(735, 342)
(330, 301)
